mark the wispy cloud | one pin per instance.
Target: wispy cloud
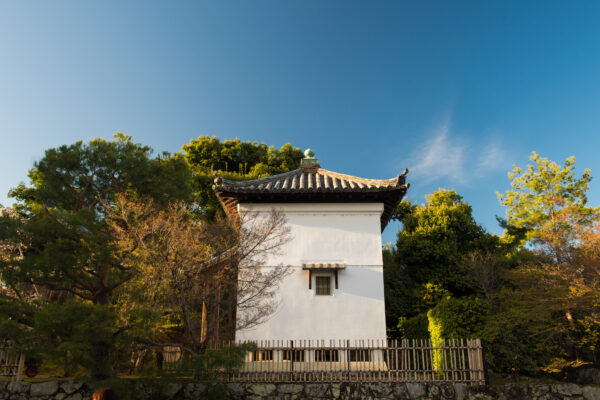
(454, 159)
(438, 157)
(493, 157)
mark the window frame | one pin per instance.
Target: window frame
(321, 276)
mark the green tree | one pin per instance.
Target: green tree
(541, 198)
(428, 262)
(435, 236)
(58, 240)
(194, 276)
(398, 291)
(69, 333)
(236, 160)
(62, 229)
(552, 296)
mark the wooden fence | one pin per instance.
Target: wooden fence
(450, 360)
(11, 365)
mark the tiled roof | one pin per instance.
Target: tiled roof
(304, 180)
(310, 183)
(324, 266)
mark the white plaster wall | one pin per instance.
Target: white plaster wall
(327, 232)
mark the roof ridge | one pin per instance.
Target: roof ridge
(219, 180)
(392, 181)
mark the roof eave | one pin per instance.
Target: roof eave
(390, 197)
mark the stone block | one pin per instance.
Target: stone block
(336, 389)
(261, 389)
(194, 390)
(171, 389)
(416, 390)
(381, 390)
(236, 390)
(591, 392)
(483, 392)
(399, 391)
(567, 389)
(460, 389)
(75, 396)
(18, 387)
(440, 392)
(70, 387)
(516, 391)
(43, 389)
(290, 388)
(313, 390)
(539, 390)
(360, 391)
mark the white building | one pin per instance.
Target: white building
(335, 288)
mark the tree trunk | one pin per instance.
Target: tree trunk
(569, 317)
(101, 351)
(101, 354)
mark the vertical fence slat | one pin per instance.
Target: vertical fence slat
(445, 368)
(413, 362)
(464, 353)
(479, 375)
(430, 359)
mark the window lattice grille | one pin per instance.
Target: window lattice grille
(323, 285)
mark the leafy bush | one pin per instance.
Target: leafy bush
(511, 348)
(428, 295)
(213, 362)
(455, 318)
(458, 318)
(74, 334)
(415, 327)
(588, 336)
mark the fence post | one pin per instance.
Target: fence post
(485, 371)
(471, 361)
(292, 357)
(20, 368)
(475, 360)
(348, 357)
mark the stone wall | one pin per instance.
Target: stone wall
(72, 390)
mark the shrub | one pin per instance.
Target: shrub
(510, 347)
(455, 318)
(414, 328)
(458, 318)
(73, 334)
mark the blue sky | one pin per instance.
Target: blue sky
(455, 91)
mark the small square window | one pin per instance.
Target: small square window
(323, 285)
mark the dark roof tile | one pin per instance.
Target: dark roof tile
(312, 184)
(301, 180)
